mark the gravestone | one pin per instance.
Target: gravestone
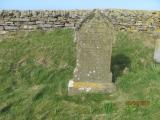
(94, 47)
(157, 51)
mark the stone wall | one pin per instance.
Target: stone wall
(125, 20)
(134, 20)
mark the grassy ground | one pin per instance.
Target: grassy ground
(35, 69)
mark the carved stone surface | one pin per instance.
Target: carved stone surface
(94, 47)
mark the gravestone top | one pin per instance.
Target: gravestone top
(94, 47)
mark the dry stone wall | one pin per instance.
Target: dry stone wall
(125, 20)
(134, 20)
(46, 20)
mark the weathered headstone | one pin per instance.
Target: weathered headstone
(157, 51)
(94, 47)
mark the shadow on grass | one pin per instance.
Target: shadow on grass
(5, 108)
(118, 64)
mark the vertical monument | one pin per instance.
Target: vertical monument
(94, 47)
(157, 51)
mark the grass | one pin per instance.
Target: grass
(35, 69)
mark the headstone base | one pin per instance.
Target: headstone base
(75, 87)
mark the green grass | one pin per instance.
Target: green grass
(35, 69)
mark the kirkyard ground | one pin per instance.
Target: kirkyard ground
(35, 68)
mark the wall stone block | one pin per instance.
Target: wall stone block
(10, 28)
(1, 28)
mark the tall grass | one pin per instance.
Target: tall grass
(35, 69)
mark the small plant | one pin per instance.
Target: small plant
(109, 107)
